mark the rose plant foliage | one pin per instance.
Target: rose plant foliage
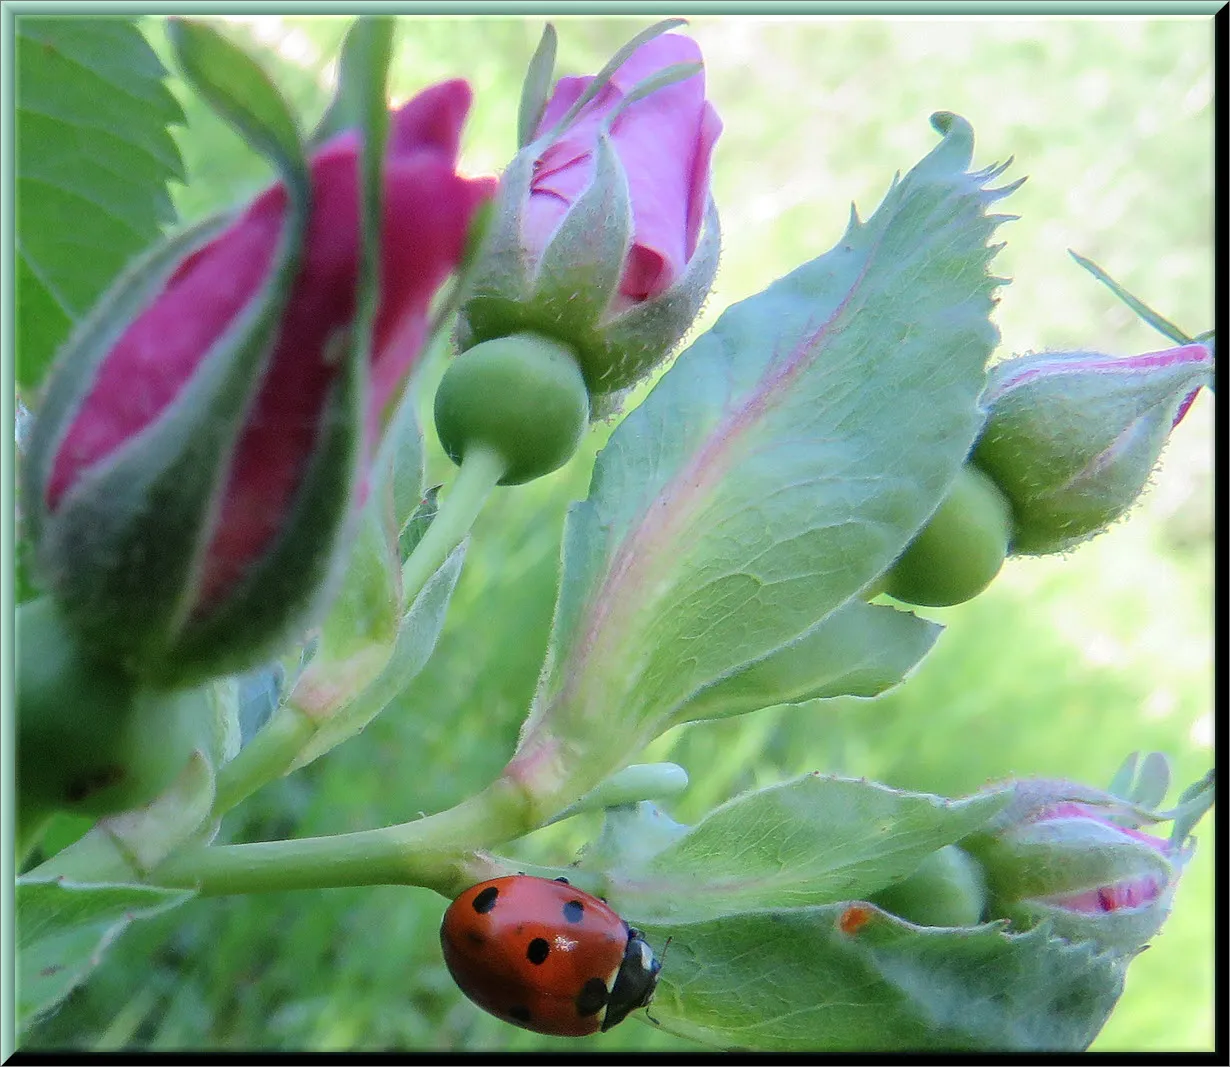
(222, 479)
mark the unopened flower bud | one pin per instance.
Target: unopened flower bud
(604, 236)
(1072, 437)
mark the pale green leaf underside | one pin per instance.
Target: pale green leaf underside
(859, 650)
(783, 462)
(64, 927)
(93, 158)
(795, 980)
(811, 841)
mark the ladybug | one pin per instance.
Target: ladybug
(546, 956)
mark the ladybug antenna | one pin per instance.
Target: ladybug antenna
(662, 954)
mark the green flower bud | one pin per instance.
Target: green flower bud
(947, 889)
(1071, 438)
(960, 550)
(521, 396)
(1075, 858)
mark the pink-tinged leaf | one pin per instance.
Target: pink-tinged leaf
(781, 464)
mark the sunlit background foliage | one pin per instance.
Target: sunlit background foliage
(1060, 669)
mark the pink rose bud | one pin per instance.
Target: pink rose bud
(1072, 437)
(605, 236)
(199, 452)
(1076, 859)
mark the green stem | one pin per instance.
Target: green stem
(265, 758)
(270, 754)
(438, 852)
(481, 470)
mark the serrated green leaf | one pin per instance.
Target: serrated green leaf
(63, 929)
(536, 89)
(811, 841)
(860, 650)
(240, 91)
(849, 977)
(93, 158)
(785, 460)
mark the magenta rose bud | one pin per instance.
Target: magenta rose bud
(1071, 438)
(605, 237)
(199, 452)
(1076, 859)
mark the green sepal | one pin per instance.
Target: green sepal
(1072, 450)
(1063, 855)
(676, 72)
(124, 549)
(579, 271)
(947, 889)
(235, 86)
(1124, 930)
(1163, 326)
(536, 89)
(603, 77)
(299, 573)
(417, 524)
(366, 53)
(646, 333)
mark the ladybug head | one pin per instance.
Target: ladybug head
(636, 981)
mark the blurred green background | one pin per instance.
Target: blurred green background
(1060, 669)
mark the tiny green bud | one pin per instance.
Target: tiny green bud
(960, 550)
(523, 396)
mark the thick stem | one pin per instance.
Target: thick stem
(481, 470)
(437, 852)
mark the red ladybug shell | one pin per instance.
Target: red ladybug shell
(546, 956)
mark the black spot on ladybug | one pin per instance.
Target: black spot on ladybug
(475, 938)
(485, 900)
(564, 880)
(592, 998)
(538, 951)
(574, 911)
(520, 1013)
